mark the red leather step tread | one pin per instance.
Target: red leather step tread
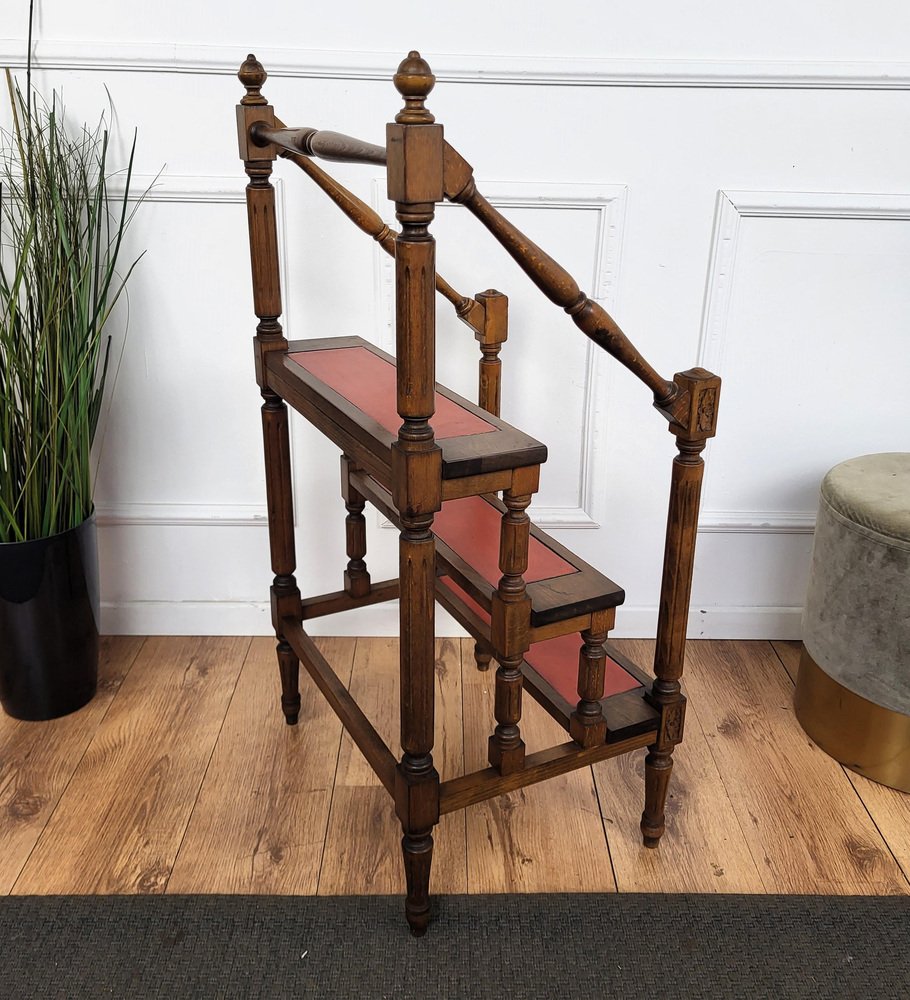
(369, 382)
(470, 527)
(556, 660)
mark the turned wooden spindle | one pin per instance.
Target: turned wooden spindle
(482, 656)
(702, 390)
(356, 576)
(587, 725)
(414, 143)
(260, 196)
(491, 338)
(510, 614)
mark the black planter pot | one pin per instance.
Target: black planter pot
(49, 623)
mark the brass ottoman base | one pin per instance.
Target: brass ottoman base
(869, 739)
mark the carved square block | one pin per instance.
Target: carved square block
(417, 799)
(414, 163)
(700, 419)
(416, 479)
(248, 115)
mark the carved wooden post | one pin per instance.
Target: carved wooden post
(511, 610)
(415, 183)
(491, 338)
(260, 199)
(701, 389)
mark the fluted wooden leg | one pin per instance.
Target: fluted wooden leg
(482, 657)
(289, 668)
(285, 594)
(417, 781)
(658, 767)
(418, 858)
(693, 429)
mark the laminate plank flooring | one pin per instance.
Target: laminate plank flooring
(544, 838)
(271, 838)
(806, 828)
(703, 849)
(119, 824)
(38, 759)
(181, 776)
(888, 808)
(363, 842)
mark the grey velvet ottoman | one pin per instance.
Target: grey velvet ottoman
(853, 690)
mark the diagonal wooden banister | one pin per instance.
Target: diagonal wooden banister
(550, 277)
(468, 310)
(559, 286)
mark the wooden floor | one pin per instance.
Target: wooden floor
(181, 777)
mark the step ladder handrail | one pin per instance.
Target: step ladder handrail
(366, 218)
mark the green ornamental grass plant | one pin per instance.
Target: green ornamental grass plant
(61, 237)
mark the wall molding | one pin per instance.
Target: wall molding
(608, 201)
(530, 70)
(254, 618)
(757, 522)
(732, 208)
(183, 514)
(198, 189)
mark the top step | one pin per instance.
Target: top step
(347, 388)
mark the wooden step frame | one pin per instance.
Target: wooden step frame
(414, 476)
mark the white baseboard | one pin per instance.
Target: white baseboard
(253, 618)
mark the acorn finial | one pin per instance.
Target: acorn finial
(252, 75)
(414, 81)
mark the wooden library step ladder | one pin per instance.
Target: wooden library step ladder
(457, 480)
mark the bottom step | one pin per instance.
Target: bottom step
(551, 674)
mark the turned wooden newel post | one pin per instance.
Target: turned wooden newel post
(415, 145)
(260, 200)
(491, 338)
(700, 391)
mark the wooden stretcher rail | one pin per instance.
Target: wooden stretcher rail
(469, 789)
(370, 743)
(341, 600)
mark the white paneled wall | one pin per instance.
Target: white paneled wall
(737, 194)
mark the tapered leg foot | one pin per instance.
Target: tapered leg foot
(658, 766)
(289, 667)
(482, 657)
(418, 859)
